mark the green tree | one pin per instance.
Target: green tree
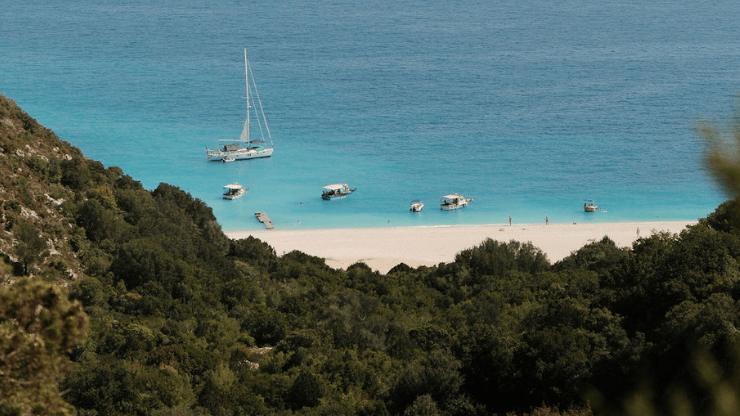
(142, 260)
(422, 406)
(31, 245)
(99, 222)
(75, 174)
(493, 258)
(306, 390)
(725, 218)
(39, 325)
(436, 374)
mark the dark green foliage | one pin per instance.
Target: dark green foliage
(565, 339)
(601, 257)
(726, 218)
(493, 258)
(436, 375)
(266, 326)
(355, 320)
(185, 321)
(143, 260)
(38, 165)
(30, 246)
(99, 223)
(422, 406)
(110, 386)
(92, 292)
(38, 327)
(74, 174)
(182, 313)
(188, 219)
(136, 204)
(54, 170)
(306, 391)
(253, 251)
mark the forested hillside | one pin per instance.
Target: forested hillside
(117, 300)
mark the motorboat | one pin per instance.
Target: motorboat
(454, 201)
(247, 147)
(589, 206)
(234, 191)
(336, 191)
(416, 205)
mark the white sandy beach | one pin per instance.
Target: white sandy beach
(384, 248)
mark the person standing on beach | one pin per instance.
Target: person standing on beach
(509, 220)
(547, 221)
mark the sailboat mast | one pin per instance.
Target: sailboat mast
(246, 78)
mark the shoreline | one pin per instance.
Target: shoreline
(384, 248)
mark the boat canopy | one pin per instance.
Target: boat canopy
(452, 196)
(335, 186)
(233, 186)
(232, 147)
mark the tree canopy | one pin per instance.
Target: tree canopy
(123, 301)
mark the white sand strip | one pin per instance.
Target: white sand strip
(384, 248)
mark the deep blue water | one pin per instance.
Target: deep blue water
(529, 107)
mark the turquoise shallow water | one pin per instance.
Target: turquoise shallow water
(528, 107)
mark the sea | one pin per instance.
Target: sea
(530, 107)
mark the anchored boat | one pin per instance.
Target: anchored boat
(247, 147)
(454, 201)
(234, 191)
(416, 205)
(336, 191)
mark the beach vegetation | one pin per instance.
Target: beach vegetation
(134, 302)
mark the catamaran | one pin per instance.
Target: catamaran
(247, 147)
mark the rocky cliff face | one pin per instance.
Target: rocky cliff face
(32, 197)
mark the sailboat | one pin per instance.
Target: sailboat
(246, 147)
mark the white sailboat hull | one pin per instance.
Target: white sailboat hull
(240, 154)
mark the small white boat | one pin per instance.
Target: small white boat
(416, 205)
(336, 191)
(454, 201)
(247, 147)
(589, 206)
(234, 191)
